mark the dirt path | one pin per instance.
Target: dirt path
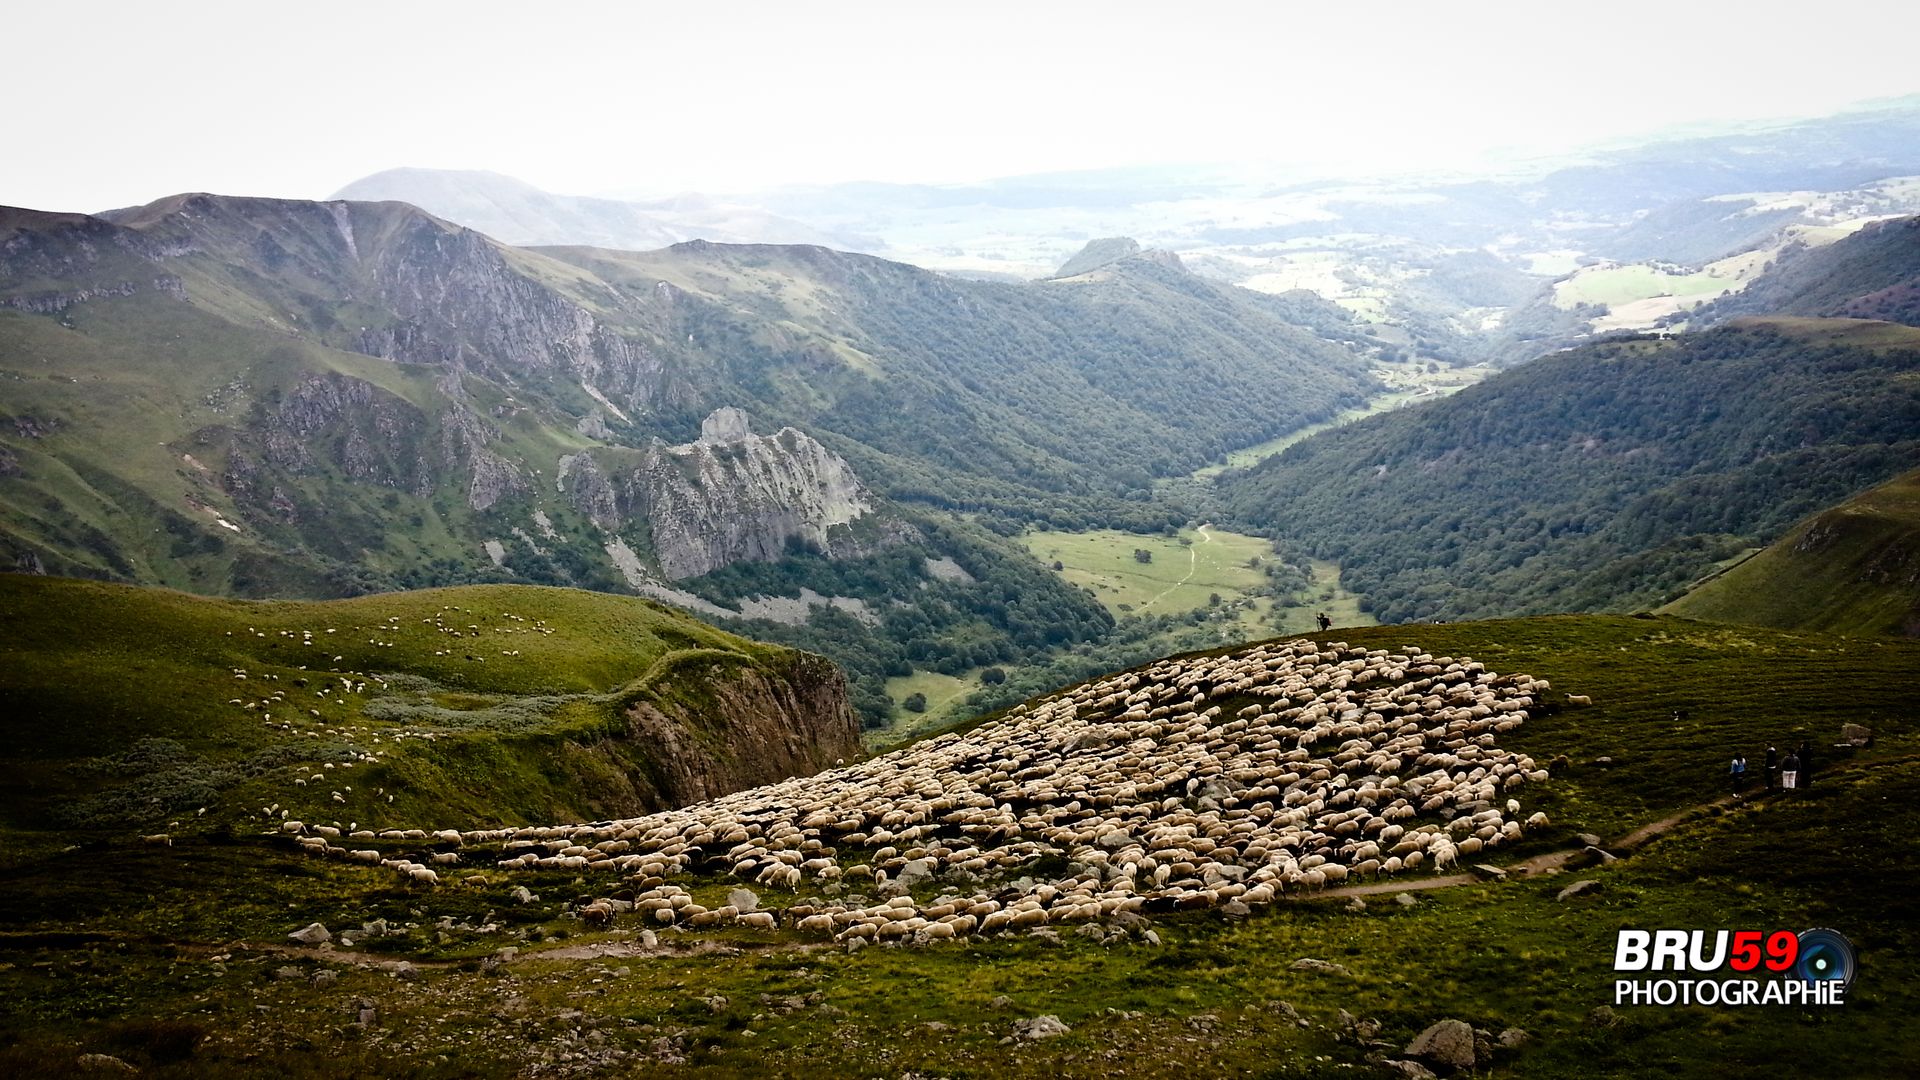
(1193, 565)
(1557, 860)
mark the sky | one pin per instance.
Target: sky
(118, 103)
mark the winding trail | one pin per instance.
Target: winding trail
(1193, 564)
(1548, 862)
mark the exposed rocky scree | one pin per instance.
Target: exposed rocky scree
(730, 496)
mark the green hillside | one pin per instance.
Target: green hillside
(243, 396)
(1054, 401)
(1607, 477)
(273, 398)
(1872, 274)
(109, 938)
(126, 707)
(1852, 569)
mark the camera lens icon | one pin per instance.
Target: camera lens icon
(1826, 956)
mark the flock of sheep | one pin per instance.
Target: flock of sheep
(1192, 783)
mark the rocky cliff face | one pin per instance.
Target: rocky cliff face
(730, 496)
(727, 724)
(461, 304)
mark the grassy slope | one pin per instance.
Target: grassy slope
(1852, 569)
(1205, 1002)
(91, 669)
(139, 383)
(1179, 578)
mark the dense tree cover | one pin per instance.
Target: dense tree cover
(1007, 610)
(1695, 231)
(1873, 274)
(1135, 641)
(1605, 478)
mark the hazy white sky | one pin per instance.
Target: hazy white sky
(115, 103)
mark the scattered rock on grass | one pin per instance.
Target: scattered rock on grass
(311, 934)
(1309, 963)
(1447, 1043)
(1038, 1027)
(1578, 888)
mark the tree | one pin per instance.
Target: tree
(915, 703)
(993, 676)
(1142, 555)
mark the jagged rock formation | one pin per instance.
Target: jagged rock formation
(730, 496)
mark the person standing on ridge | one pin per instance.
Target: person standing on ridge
(1773, 769)
(1737, 772)
(1790, 772)
(1805, 753)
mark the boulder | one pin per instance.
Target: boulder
(1578, 888)
(1405, 899)
(1448, 1043)
(1039, 1027)
(1309, 963)
(1592, 855)
(744, 899)
(1490, 872)
(311, 934)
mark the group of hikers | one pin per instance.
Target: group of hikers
(1794, 773)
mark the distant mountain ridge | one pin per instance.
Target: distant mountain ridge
(515, 212)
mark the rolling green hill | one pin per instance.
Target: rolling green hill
(1607, 477)
(1852, 569)
(127, 706)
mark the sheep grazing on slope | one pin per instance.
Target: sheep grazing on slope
(1288, 766)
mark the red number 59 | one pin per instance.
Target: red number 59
(1783, 948)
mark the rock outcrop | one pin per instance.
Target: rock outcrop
(721, 723)
(730, 496)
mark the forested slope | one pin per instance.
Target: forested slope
(1605, 478)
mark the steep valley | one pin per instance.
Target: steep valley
(493, 828)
